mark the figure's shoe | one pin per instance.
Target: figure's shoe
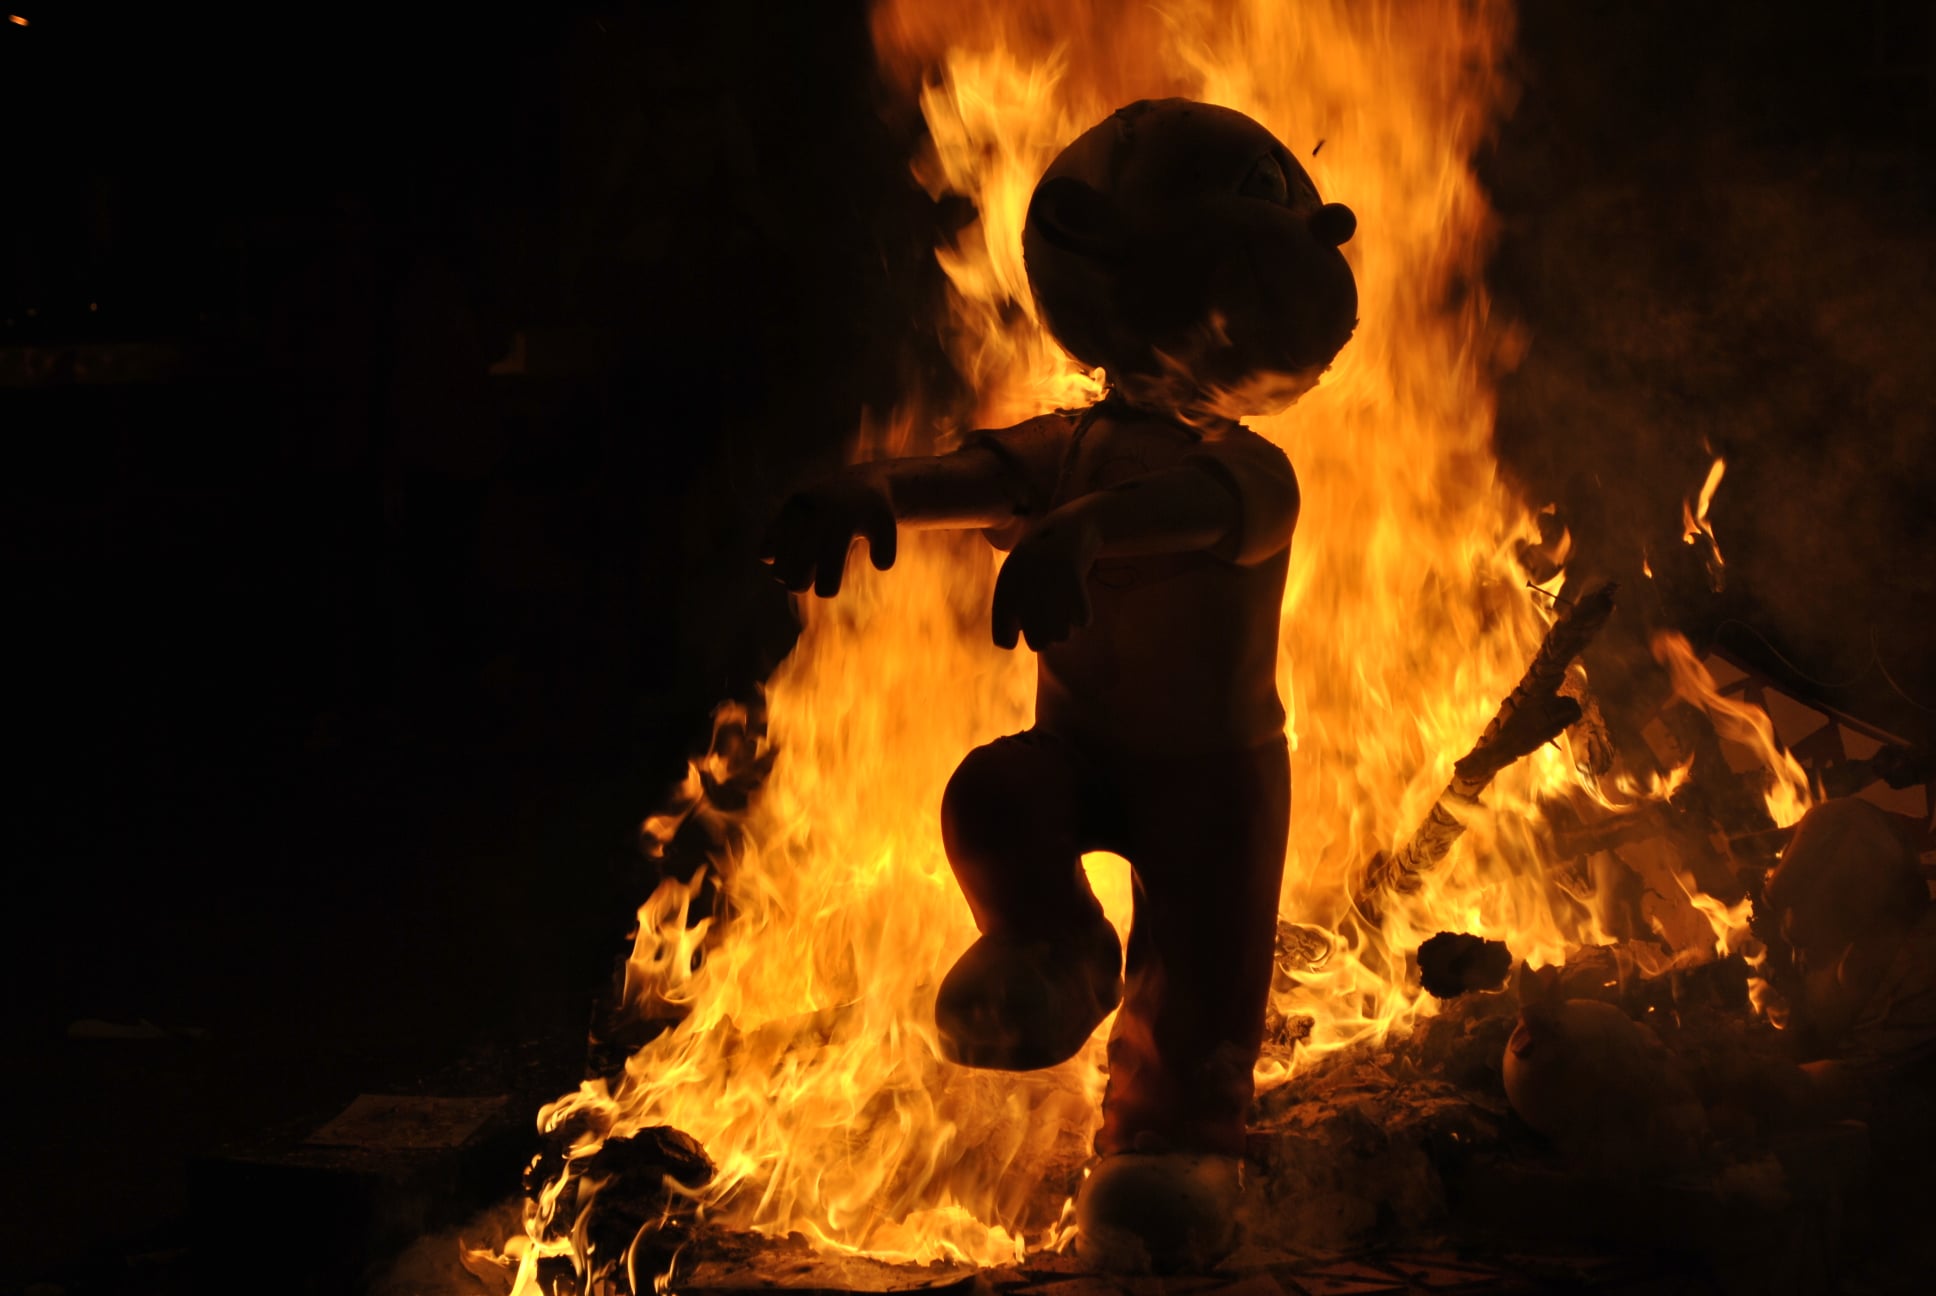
(1141, 1212)
(1022, 1007)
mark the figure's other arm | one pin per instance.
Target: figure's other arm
(1236, 501)
(990, 482)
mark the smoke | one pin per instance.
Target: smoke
(1720, 248)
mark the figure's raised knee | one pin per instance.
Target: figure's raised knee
(1006, 797)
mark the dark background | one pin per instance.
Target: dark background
(389, 402)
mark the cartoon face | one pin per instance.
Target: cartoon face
(1181, 247)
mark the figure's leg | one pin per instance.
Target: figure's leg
(1048, 967)
(1206, 839)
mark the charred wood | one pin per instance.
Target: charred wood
(1532, 715)
(1453, 963)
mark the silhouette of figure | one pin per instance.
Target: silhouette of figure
(1181, 248)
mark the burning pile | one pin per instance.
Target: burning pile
(779, 996)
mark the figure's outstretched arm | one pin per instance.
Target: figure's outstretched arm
(971, 488)
(809, 540)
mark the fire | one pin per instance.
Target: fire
(805, 1061)
(1696, 527)
(1787, 793)
(1694, 521)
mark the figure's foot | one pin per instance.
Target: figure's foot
(1022, 1007)
(1141, 1212)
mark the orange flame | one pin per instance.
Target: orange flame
(806, 1060)
(1787, 793)
(1694, 519)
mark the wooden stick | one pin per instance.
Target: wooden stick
(1531, 716)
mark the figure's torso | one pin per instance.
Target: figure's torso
(1181, 657)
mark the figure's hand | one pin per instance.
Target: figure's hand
(808, 542)
(1042, 592)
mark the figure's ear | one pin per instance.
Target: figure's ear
(1078, 218)
(1333, 224)
(1536, 986)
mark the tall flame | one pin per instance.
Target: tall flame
(806, 1061)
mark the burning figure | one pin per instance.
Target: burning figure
(1182, 249)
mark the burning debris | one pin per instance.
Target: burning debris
(1600, 1086)
(1633, 1080)
(1453, 963)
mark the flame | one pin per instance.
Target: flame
(1694, 520)
(1787, 793)
(805, 1060)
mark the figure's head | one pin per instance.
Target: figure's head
(1181, 247)
(1846, 892)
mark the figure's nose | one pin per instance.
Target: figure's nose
(1333, 224)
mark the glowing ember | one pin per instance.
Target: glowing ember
(805, 1061)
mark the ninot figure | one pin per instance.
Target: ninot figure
(1181, 248)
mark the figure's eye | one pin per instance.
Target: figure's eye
(1267, 181)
